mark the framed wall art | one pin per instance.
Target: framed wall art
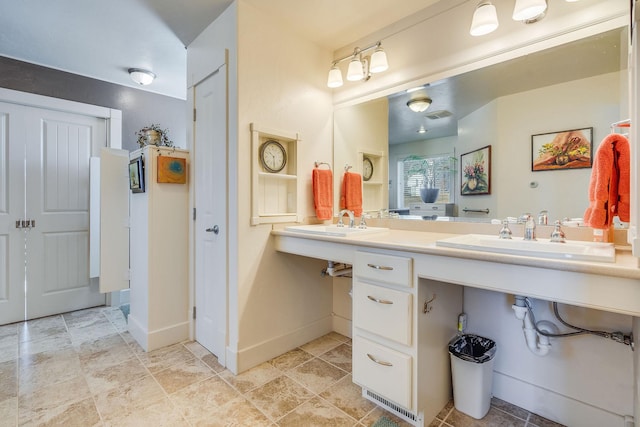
(568, 149)
(172, 170)
(136, 175)
(475, 172)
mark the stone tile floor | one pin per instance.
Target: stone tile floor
(84, 369)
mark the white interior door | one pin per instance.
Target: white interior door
(12, 209)
(58, 151)
(210, 163)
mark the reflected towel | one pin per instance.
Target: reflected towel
(322, 180)
(609, 186)
(351, 194)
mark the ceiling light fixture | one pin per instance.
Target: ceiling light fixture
(140, 76)
(419, 105)
(485, 19)
(360, 68)
(422, 130)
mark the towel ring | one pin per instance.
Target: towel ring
(318, 164)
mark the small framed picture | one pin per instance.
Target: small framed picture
(136, 175)
(475, 172)
(568, 149)
(172, 170)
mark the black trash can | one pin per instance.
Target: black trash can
(472, 373)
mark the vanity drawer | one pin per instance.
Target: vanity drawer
(390, 269)
(383, 311)
(385, 371)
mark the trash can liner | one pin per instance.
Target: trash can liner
(473, 348)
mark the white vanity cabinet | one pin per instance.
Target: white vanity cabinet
(395, 367)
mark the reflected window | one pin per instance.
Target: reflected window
(417, 172)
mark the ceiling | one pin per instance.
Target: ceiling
(102, 39)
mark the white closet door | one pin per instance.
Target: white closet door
(210, 159)
(12, 271)
(59, 147)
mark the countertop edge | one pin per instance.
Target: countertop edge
(626, 265)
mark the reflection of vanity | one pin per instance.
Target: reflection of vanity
(432, 209)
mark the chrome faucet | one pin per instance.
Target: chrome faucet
(363, 223)
(557, 235)
(505, 232)
(530, 229)
(352, 221)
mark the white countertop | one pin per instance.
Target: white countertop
(423, 242)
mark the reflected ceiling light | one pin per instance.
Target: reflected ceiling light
(419, 105)
(140, 76)
(485, 19)
(360, 67)
(526, 10)
(422, 130)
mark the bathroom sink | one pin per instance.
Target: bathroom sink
(333, 230)
(542, 248)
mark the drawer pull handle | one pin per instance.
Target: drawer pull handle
(379, 301)
(380, 267)
(379, 362)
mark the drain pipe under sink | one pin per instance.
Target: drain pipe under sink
(537, 343)
(336, 269)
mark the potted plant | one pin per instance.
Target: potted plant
(154, 135)
(427, 168)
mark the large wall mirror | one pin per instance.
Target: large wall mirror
(579, 85)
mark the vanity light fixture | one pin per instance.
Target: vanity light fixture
(419, 105)
(360, 68)
(140, 76)
(485, 19)
(529, 10)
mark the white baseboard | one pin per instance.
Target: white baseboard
(249, 357)
(342, 326)
(151, 340)
(551, 405)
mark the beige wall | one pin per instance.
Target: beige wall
(282, 301)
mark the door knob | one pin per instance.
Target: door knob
(215, 229)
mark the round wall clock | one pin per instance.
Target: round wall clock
(367, 168)
(273, 156)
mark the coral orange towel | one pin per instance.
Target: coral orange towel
(322, 181)
(610, 183)
(351, 197)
